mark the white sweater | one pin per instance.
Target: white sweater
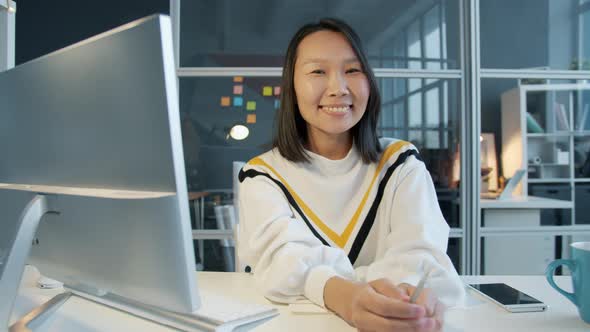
(303, 223)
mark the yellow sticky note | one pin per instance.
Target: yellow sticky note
(238, 79)
(251, 106)
(225, 101)
(267, 91)
(238, 89)
(277, 90)
(251, 118)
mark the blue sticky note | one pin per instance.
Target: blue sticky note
(277, 104)
(238, 101)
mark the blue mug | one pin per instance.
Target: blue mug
(579, 266)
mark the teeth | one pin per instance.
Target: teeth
(337, 109)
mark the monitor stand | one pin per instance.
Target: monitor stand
(12, 274)
(15, 265)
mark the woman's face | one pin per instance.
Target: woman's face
(331, 88)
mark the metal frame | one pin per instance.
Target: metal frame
(278, 71)
(35, 317)
(470, 149)
(18, 254)
(535, 73)
(582, 8)
(175, 19)
(545, 230)
(7, 31)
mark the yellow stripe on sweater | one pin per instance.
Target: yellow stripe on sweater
(339, 239)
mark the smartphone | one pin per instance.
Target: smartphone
(509, 298)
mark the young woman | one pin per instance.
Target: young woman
(335, 214)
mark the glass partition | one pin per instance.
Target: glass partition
(397, 34)
(540, 34)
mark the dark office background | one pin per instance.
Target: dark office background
(46, 26)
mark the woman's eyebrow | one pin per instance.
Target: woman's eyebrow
(321, 60)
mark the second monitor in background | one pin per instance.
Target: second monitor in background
(511, 185)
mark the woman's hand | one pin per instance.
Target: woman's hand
(377, 306)
(434, 308)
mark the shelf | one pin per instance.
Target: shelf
(562, 180)
(582, 180)
(575, 133)
(543, 135)
(548, 164)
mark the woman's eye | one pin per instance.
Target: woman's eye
(317, 71)
(353, 70)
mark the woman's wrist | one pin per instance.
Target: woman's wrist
(338, 294)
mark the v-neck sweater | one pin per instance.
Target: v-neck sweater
(302, 223)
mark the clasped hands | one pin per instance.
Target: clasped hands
(380, 305)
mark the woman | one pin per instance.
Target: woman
(333, 213)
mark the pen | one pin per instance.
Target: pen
(419, 288)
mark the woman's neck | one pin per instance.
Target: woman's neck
(334, 147)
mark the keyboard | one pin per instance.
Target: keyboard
(217, 312)
(220, 310)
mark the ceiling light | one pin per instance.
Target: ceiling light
(239, 132)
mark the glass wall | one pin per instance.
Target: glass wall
(397, 34)
(533, 106)
(526, 34)
(236, 38)
(428, 116)
(583, 12)
(210, 107)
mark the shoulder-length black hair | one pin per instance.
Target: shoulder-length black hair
(291, 129)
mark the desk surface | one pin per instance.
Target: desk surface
(192, 195)
(477, 315)
(525, 202)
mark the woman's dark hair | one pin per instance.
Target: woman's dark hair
(291, 129)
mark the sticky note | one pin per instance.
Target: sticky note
(251, 106)
(238, 79)
(238, 89)
(224, 101)
(277, 104)
(267, 91)
(251, 118)
(277, 90)
(238, 101)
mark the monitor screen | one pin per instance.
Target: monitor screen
(95, 128)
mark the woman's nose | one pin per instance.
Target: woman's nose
(338, 85)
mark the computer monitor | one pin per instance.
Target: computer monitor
(92, 133)
(509, 188)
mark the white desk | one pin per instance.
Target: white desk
(528, 202)
(478, 315)
(521, 255)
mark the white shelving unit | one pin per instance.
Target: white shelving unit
(546, 131)
(554, 150)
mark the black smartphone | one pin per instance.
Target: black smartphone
(509, 298)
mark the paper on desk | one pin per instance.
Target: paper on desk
(306, 307)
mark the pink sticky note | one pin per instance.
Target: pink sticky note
(238, 89)
(277, 90)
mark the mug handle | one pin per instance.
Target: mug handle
(549, 275)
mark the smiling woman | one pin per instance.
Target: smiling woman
(340, 81)
(335, 214)
(332, 92)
